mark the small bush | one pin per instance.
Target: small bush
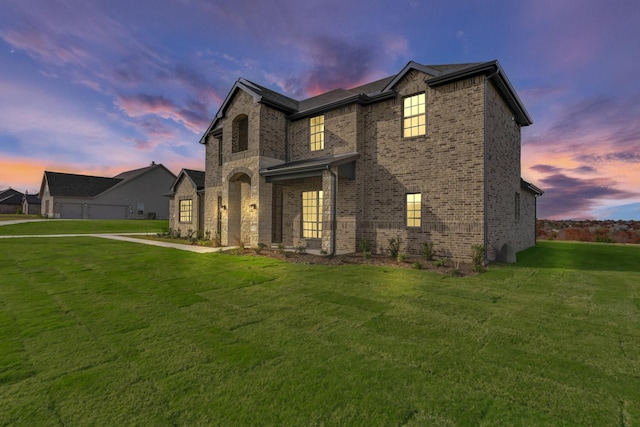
(394, 247)
(260, 247)
(281, 248)
(402, 257)
(364, 246)
(455, 273)
(440, 263)
(478, 257)
(427, 250)
(300, 249)
(417, 265)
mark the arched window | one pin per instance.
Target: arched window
(240, 133)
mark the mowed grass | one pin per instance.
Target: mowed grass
(84, 227)
(96, 332)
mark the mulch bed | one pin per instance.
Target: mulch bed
(450, 268)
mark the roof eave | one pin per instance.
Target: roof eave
(360, 99)
(495, 74)
(245, 85)
(528, 186)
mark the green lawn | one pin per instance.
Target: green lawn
(84, 227)
(98, 332)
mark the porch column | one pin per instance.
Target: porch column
(329, 209)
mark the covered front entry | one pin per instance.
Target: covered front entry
(305, 207)
(240, 210)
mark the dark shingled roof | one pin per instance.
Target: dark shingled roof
(71, 185)
(374, 91)
(10, 197)
(32, 199)
(197, 177)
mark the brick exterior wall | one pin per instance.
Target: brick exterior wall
(466, 167)
(445, 166)
(503, 178)
(186, 191)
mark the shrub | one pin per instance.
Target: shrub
(281, 248)
(478, 254)
(402, 257)
(478, 257)
(427, 250)
(300, 249)
(363, 246)
(394, 247)
(440, 263)
(417, 265)
(260, 247)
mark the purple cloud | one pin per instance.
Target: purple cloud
(545, 168)
(568, 197)
(622, 156)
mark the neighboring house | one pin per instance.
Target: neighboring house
(431, 154)
(134, 194)
(186, 202)
(31, 204)
(10, 201)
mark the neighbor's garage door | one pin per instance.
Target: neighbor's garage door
(70, 210)
(107, 212)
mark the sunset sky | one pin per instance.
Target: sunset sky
(102, 86)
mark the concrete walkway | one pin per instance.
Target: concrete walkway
(120, 236)
(123, 237)
(20, 221)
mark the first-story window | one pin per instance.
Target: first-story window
(186, 206)
(414, 210)
(312, 214)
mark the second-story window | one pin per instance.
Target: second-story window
(415, 122)
(316, 127)
(240, 133)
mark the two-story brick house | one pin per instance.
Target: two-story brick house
(429, 154)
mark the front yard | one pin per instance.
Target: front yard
(104, 332)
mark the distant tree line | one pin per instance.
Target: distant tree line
(589, 231)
